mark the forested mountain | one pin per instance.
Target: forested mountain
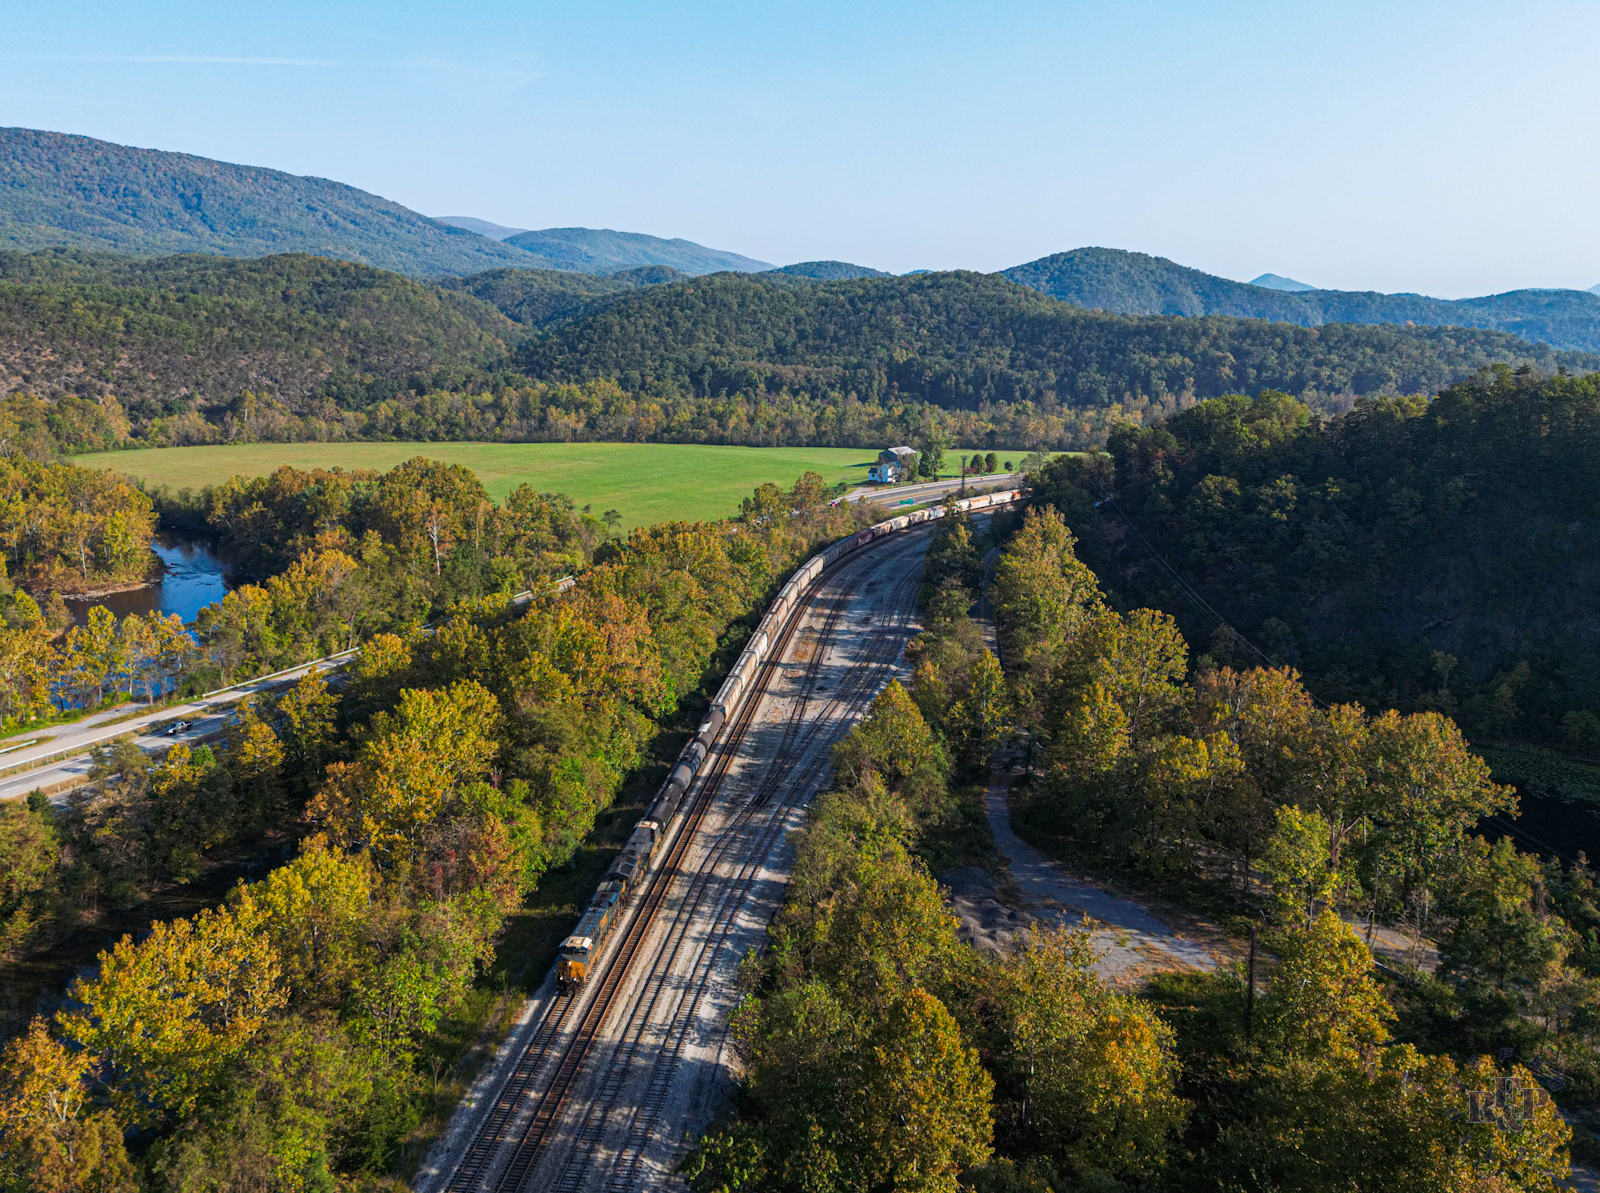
(829, 271)
(536, 297)
(1275, 281)
(57, 189)
(1423, 555)
(960, 340)
(198, 349)
(600, 250)
(1136, 284)
(482, 227)
(179, 334)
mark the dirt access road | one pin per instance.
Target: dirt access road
(605, 1090)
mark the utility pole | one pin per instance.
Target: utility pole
(963, 476)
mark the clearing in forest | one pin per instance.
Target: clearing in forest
(646, 482)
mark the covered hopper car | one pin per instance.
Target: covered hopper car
(580, 950)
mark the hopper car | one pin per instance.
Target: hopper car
(582, 948)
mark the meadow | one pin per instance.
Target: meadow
(645, 482)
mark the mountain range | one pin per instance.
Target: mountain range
(1138, 284)
(199, 348)
(59, 190)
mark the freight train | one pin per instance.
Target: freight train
(581, 949)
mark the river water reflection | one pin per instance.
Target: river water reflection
(194, 578)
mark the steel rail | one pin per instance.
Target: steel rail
(864, 683)
(797, 762)
(488, 1141)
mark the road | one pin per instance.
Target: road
(605, 1089)
(62, 752)
(896, 494)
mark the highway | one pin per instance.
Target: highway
(57, 759)
(929, 490)
(61, 753)
(603, 1089)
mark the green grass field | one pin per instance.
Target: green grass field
(646, 482)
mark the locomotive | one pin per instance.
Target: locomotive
(580, 950)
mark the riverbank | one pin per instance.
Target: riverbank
(190, 575)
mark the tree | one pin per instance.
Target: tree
(28, 661)
(52, 1139)
(923, 1114)
(426, 509)
(168, 1015)
(255, 757)
(308, 711)
(1042, 594)
(313, 912)
(93, 657)
(299, 1107)
(1324, 1004)
(30, 854)
(412, 764)
(1095, 1071)
(1425, 789)
(892, 740)
(953, 554)
(1298, 863)
(1503, 936)
(980, 720)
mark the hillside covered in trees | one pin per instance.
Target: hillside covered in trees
(307, 1031)
(881, 1051)
(200, 350)
(63, 190)
(1425, 555)
(1137, 284)
(963, 340)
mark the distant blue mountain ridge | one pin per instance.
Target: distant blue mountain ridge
(63, 191)
(601, 250)
(1137, 284)
(1274, 281)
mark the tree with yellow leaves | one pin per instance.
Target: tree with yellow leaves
(413, 762)
(920, 1114)
(313, 912)
(1093, 1071)
(27, 658)
(52, 1138)
(166, 1015)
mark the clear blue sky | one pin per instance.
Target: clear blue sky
(1447, 148)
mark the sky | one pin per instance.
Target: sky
(1450, 149)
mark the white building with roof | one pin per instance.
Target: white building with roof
(894, 464)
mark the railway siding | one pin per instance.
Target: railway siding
(596, 1088)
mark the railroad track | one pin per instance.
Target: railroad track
(802, 757)
(519, 1099)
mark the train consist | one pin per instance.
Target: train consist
(581, 949)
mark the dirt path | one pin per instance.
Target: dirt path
(1132, 942)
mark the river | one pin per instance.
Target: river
(194, 578)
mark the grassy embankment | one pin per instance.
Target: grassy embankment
(646, 482)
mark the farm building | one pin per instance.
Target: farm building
(894, 464)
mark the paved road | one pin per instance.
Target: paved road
(895, 494)
(657, 1069)
(62, 752)
(206, 717)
